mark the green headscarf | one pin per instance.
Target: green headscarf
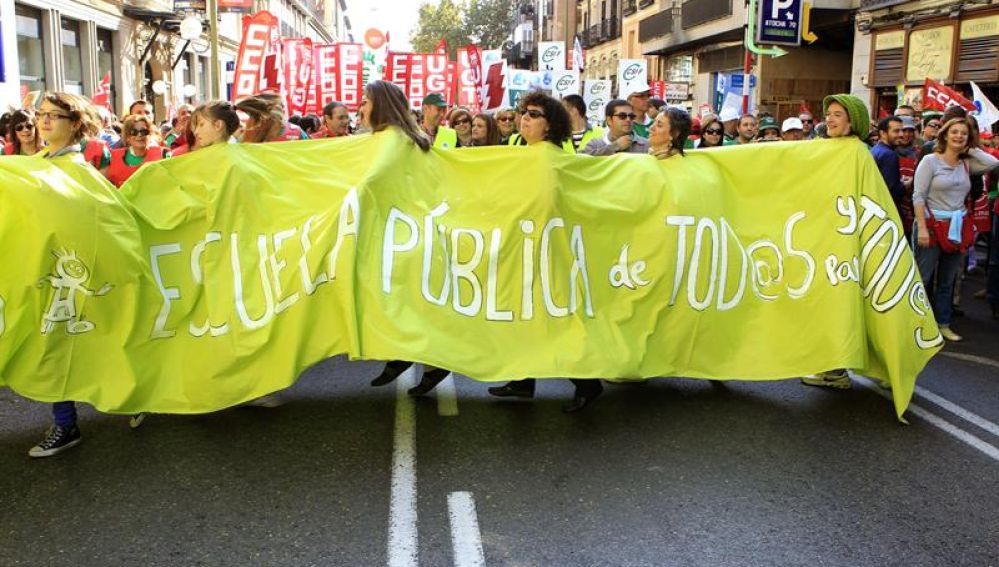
(860, 119)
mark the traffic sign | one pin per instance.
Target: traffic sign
(779, 22)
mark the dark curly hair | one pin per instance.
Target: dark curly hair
(17, 118)
(559, 127)
(679, 126)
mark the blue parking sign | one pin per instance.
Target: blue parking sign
(779, 22)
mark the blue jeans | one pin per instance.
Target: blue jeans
(64, 414)
(939, 273)
(992, 282)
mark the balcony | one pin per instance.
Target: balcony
(645, 3)
(610, 29)
(630, 7)
(655, 26)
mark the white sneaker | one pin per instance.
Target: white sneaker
(268, 401)
(950, 335)
(137, 420)
(838, 379)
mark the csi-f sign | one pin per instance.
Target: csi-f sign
(779, 22)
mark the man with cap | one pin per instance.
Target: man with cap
(638, 98)
(748, 128)
(433, 112)
(729, 118)
(846, 117)
(792, 130)
(769, 131)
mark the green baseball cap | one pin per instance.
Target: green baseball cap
(434, 99)
(768, 123)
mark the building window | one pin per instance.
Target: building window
(30, 48)
(105, 61)
(72, 57)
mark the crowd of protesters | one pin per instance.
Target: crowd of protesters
(937, 167)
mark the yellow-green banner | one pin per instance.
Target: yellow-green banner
(218, 276)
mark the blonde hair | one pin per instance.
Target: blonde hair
(267, 111)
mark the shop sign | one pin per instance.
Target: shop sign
(889, 40)
(870, 5)
(980, 27)
(930, 53)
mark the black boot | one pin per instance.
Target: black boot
(586, 392)
(393, 369)
(515, 389)
(429, 381)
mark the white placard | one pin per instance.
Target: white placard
(551, 56)
(565, 83)
(596, 95)
(632, 75)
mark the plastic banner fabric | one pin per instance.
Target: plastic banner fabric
(218, 276)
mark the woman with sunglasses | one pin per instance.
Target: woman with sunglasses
(484, 131)
(461, 120)
(137, 151)
(24, 140)
(545, 121)
(712, 133)
(506, 121)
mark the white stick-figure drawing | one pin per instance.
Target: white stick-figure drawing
(70, 276)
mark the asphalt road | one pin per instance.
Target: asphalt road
(669, 472)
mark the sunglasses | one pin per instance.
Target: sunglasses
(933, 125)
(625, 115)
(807, 121)
(139, 132)
(534, 113)
(505, 119)
(713, 131)
(24, 126)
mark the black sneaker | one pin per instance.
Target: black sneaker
(56, 441)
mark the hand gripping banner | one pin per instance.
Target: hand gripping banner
(206, 282)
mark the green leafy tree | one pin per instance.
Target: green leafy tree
(489, 22)
(443, 21)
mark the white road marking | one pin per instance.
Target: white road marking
(447, 397)
(962, 435)
(970, 358)
(465, 537)
(402, 541)
(957, 410)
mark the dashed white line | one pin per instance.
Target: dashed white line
(402, 540)
(960, 434)
(465, 537)
(447, 397)
(970, 358)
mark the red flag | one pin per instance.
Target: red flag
(468, 78)
(937, 96)
(427, 74)
(324, 70)
(297, 75)
(102, 95)
(397, 69)
(441, 47)
(257, 33)
(658, 89)
(350, 74)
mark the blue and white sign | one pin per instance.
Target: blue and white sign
(779, 22)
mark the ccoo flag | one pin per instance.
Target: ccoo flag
(988, 114)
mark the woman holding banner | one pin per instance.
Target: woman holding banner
(545, 120)
(385, 105)
(265, 122)
(65, 121)
(940, 191)
(461, 120)
(485, 131)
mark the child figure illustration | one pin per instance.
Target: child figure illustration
(71, 275)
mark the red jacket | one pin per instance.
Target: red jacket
(119, 171)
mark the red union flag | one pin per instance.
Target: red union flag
(937, 96)
(325, 72)
(397, 69)
(297, 74)
(257, 33)
(350, 74)
(102, 95)
(427, 74)
(658, 89)
(467, 78)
